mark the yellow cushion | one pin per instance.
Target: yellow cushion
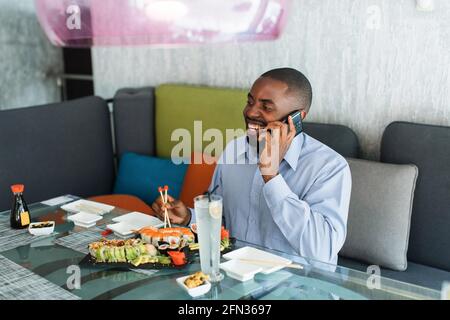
(178, 106)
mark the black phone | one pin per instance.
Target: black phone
(297, 119)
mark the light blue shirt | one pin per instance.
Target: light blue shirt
(302, 211)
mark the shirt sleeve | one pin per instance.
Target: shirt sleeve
(315, 225)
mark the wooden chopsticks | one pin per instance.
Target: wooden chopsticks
(164, 200)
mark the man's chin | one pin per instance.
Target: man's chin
(252, 138)
(252, 133)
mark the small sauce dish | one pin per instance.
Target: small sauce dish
(197, 291)
(41, 228)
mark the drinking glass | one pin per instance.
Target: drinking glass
(208, 212)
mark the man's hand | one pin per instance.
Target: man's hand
(279, 137)
(177, 211)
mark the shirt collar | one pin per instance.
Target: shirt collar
(291, 156)
(293, 153)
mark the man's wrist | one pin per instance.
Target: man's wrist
(188, 218)
(267, 178)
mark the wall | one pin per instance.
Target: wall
(371, 62)
(28, 62)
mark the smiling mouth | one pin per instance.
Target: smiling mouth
(254, 125)
(254, 129)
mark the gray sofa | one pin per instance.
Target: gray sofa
(427, 147)
(62, 148)
(68, 148)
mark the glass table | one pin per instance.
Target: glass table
(47, 267)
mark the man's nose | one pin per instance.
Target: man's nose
(253, 112)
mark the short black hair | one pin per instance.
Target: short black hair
(296, 82)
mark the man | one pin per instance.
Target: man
(300, 205)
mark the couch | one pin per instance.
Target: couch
(72, 148)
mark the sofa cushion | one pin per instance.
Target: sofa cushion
(428, 147)
(341, 139)
(141, 176)
(198, 178)
(380, 213)
(55, 149)
(178, 106)
(134, 121)
(417, 274)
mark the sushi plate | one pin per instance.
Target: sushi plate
(89, 261)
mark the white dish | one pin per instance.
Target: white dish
(85, 225)
(197, 291)
(138, 220)
(122, 229)
(240, 271)
(127, 223)
(128, 236)
(87, 206)
(41, 231)
(269, 262)
(85, 219)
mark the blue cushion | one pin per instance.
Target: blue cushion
(142, 175)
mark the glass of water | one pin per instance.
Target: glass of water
(208, 212)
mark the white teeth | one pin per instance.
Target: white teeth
(253, 126)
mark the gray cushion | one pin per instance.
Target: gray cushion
(341, 139)
(380, 213)
(62, 148)
(417, 274)
(134, 121)
(428, 147)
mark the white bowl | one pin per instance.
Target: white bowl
(197, 291)
(239, 270)
(85, 219)
(41, 231)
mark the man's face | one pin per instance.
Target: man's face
(268, 101)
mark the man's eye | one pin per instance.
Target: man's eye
(249, 102)
(267, 108)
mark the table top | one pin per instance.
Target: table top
(45, 267)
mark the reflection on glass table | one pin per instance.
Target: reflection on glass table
(51, 260)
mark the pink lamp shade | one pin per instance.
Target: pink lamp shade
(84, 23)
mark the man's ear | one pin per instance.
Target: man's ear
(303, 114)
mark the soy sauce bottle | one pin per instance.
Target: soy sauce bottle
(20, 216)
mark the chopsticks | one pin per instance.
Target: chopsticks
(164, 200)
(272, 263)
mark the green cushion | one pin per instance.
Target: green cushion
(178, 106)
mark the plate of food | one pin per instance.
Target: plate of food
(226, 242)
(134, 254)
(154, 248)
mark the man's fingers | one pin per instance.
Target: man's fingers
(274, 124)
(292, 130)
(157, 211)
(159, 201)
(156, 207)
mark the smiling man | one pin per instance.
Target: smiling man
(280, 190)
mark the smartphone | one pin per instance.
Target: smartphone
(297, 119)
